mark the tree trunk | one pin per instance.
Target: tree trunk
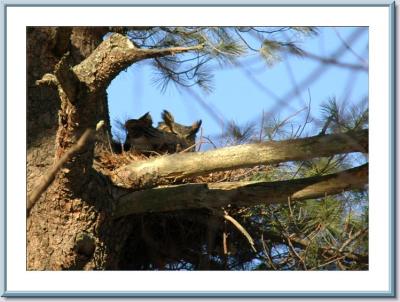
(43, 103)
(71, 225)
(68, 227)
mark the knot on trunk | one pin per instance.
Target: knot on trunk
(85, 244)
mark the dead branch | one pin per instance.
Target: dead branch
(50, 175)
(217, 195)
(352, 238)
(241, 229)
(148, 172)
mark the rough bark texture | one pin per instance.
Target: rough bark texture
(114, 55)
(67, 228)
(149, 172)
(70, 227)
(83, 41)
(217, 195)
(42, 102)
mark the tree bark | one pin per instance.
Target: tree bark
(67, 228)
(70, 226)
(115, 54)
(147, 173)
(217, 195)
(43, 102)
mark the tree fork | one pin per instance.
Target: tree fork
(115, 54)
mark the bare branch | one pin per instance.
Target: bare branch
(148, 172)
(335, 62)
(241, 229)
(49, 176)
(216, 195)
(357, 235)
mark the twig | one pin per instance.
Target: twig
(290, 208)
(295, 253)
(225, 242)
(341, 265)
(326, 125)
(279, 125)
(334, 61)
(110, 145)
(298, 169)
(361, 59)
(200, 139)
(50, 175)
(241, 229)
(356, 235)
(329, 262)
(266, 252)
(210, 142)
(262, 125)
(191, 147)
(307, 116)
(225, 245)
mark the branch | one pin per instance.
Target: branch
(149, 172)
(241, 229)
(334, 61)
(46, 180)
(115, 54)
(357, 235)
(350, 256)
(49, 80)
(216, 195)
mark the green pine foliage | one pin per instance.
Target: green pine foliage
(225, 45)
(329, 233)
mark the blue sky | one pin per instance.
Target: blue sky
(244, 92)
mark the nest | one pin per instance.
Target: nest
(185, 239)
(107, 162)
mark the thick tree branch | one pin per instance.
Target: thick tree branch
(148, 172)
(114, 55)
(216, 195)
